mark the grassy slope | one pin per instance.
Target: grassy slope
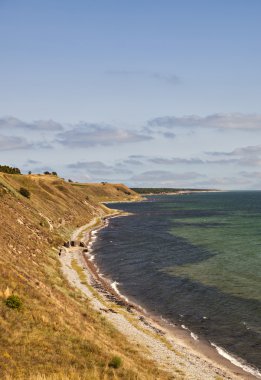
(55, 334)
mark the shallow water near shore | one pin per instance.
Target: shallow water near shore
(195, 261)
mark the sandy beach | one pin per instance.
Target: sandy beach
(174, 349)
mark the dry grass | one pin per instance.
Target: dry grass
(108, 192)
(56, 334)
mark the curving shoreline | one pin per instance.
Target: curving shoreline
(205, 358)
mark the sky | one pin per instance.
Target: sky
(145, 92)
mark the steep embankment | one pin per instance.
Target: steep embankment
(55, 331)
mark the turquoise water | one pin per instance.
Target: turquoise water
(195, 260)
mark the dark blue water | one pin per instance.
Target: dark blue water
(194, 260)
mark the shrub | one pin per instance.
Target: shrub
(44, 223)
(9, 169)
(14, 302)
(24, 192)
(115, 362)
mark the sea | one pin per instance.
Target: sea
(194, 261)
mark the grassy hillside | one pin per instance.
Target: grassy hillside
(107, 192)
(54, 334)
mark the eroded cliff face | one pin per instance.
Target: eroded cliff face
(54, 331)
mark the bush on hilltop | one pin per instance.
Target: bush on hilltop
(50, 173)
(9, 169)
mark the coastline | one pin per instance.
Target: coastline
(198, 357)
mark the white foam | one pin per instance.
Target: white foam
(168, 322)
(237, 362)
(114, 286)
(194, 336)
(165, 320)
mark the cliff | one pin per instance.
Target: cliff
(54, 333)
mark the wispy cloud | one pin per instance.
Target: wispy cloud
(252, 175)
(137, 156)
(87, 135)
(170, 79)
(18, 143)
(14, 143)
(243, 156)
(218, 121)
(32, 162)
(241, 151)
(10, 122)
(175, 160)
(164, 176)
(97, 168)
(231, 182)
(131, 161)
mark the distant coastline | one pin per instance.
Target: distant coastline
(169, 191)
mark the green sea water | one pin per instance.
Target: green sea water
(235, 242)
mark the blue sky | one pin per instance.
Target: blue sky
(150, 93)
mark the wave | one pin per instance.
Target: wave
(236, 361)
(114, 286)
(193, 335)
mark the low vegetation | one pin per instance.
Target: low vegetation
(13, 302)
(115, 362)
(24, 192)
(50, 173)
(9, 169)
(48, 329)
